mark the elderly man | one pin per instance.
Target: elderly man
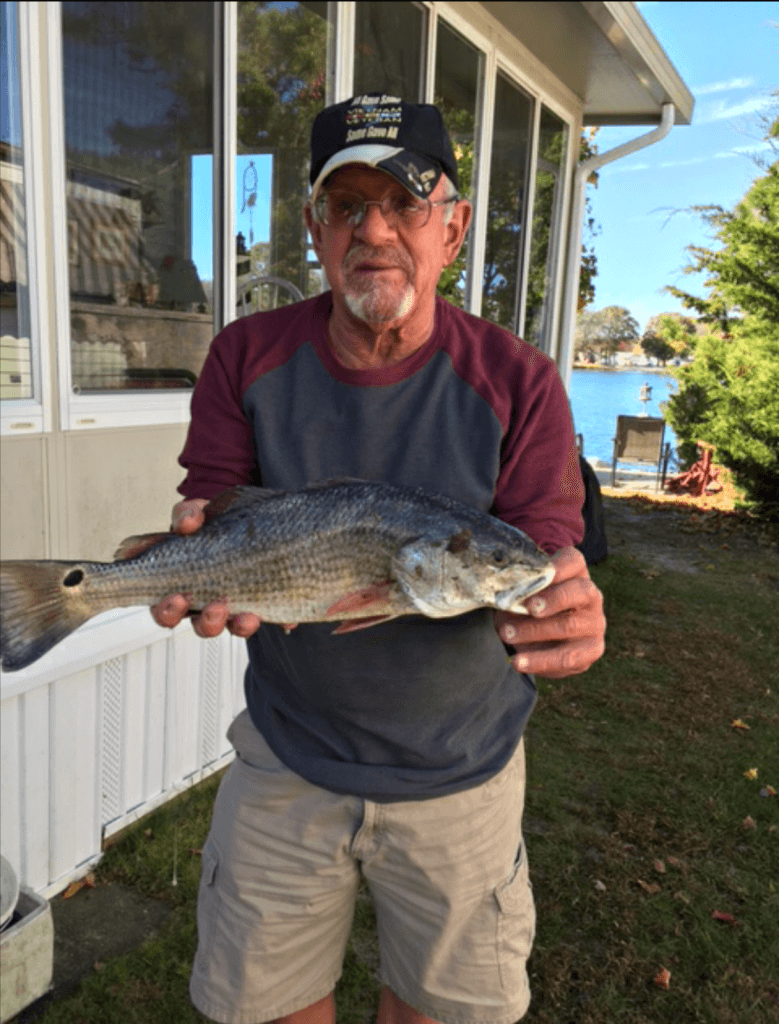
(396, 751)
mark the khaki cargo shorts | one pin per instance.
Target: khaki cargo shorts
(281, 866)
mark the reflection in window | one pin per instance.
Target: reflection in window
(388, 49)
(507, 201)
(552, 141)
(458, 76)
(282, 85)
(138, 88)
(15, 347)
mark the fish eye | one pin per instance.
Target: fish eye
(498, 556)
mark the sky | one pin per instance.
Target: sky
(727, 54)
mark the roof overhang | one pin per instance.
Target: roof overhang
(605, 53)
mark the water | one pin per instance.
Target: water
(599, 396)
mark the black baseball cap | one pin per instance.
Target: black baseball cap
(407, 140)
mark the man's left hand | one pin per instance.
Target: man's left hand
(564, 633)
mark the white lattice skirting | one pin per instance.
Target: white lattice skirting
(118, 719)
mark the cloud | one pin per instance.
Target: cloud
(619, 168)
(722, 110)
(730, 83)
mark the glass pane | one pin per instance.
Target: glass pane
(138, 82)
(15, 346)
(283, 61)
(458, 78)
(507, 200)
(544, 241)
(389, 49)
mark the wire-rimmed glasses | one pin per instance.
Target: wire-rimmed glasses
(339, 208)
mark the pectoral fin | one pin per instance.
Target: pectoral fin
(374, 595)
(350, 625)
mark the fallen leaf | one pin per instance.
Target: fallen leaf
(650, 887)
(148, 833)
(87, 881)
(663, 978)
(194, 852)
(738, 724)
(750, 773)
(599, 885)
(659, 866)
(675, 862)
(720, 915)
(99, 965)
(749, 822)
(682, 896)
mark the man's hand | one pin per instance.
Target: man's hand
(187, 517)
(564, 633)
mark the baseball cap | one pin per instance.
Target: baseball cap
(407, 140)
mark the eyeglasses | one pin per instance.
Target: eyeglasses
(346, 209)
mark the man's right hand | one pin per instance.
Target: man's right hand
(187, 517)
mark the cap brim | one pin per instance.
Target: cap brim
(372, 155)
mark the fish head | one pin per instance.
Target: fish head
(498, 566)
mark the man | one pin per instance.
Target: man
(394, 750)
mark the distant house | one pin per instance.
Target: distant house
(138, 142)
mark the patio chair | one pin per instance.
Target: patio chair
(640, 440)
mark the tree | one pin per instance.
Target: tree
(729, 395)
(673, 341)
(602, 331)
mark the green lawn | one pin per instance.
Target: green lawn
(640, 823)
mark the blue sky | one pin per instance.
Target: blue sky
(728, 56)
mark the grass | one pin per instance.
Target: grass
(640, 823)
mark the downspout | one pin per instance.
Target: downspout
(573, 262)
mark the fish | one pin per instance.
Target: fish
(352, 551)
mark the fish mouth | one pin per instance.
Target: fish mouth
(511, 599)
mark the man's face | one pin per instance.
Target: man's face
(384, 273)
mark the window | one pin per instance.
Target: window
(506, 217)
(282, 76)
(552, 144)
(16, 361)
(389, 50)
(138, 97)
(458, 87)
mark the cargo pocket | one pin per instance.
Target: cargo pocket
(516, 924)
(207, 905)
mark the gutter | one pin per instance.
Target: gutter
(573, 262)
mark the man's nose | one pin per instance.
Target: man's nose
(374, 227)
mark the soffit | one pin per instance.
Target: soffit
(605, 53)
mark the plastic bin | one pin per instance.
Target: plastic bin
(26, 954)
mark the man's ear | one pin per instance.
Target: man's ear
(314, 229)
(455, 230)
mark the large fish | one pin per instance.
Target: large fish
(347, 550)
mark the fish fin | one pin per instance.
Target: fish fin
(350, 625)
(365, 597)
(40, 605)
(136, 545)
(236, 496)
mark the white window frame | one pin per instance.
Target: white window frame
(32, 415)
(88, 412)
(497, 58)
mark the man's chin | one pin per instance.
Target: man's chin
(379, 308)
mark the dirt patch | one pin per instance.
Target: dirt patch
(685, 536)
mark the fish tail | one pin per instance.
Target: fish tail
(40, 604)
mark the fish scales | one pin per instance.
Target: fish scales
(348, 550)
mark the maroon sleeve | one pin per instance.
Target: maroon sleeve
(219, 450)
(539, 487)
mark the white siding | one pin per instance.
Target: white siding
(88, 751)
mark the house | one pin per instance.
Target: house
(139, 141)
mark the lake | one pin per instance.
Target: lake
(599, 396)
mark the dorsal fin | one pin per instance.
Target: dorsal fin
(236, 496)
(137, 544)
